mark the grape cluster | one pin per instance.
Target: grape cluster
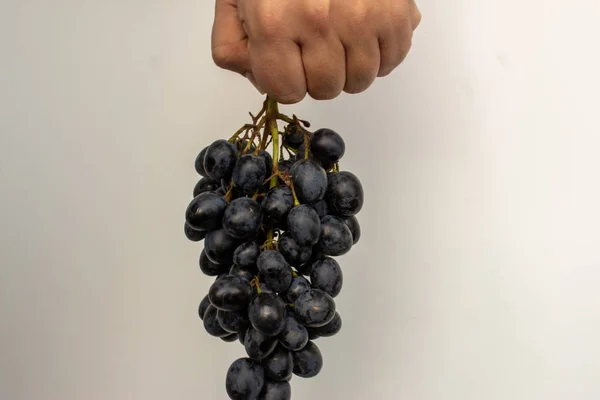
(272, 227)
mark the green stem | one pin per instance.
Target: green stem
(272, 114)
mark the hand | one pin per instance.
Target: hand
(290, 48)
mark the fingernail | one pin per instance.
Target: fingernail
(252, 79)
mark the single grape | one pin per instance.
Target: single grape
(327, 276)
(258, 345)
(219, 246)
(267, 314)
(245, 379)
(336, 238)
(268, 160)
(291, 251)
(203, 306)
(210, 268)
(276, 391)
(277, 203)
(314, 308)
(321, 208)
(242, 218)
(230, 293)
(294, 335)
(199, 163)
(354, 226)
(304, 225)
(293, 138)
(242, 273)
(327, 146)
(205, 211)
(233, 321)
(278, 365)
(344, 195)
(192, 234)
(329, 329)
(310, 181)
(274, 270)
(249, 174)
(211, 323)
(246, 255)
(299, 285)
(206, 185)
(308, 362)
(220, 159)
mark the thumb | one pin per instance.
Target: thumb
(229, 40)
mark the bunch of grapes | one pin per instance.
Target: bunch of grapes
(272, 224)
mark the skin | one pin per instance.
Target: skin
(290, 48)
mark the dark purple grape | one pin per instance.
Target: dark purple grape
(192, 234)
(258, 345)
(327, 146)
(278, 365)
(230, 338)
(308, 362)
(314, 308)
(274, 270)
(336, 238)
(211, 323)
(206, 185)
(220, 159)
(205, 211)
(329, 329)
(327, 276)
(219, 246)
(210, 268)
(267, 314)
(276, 391)
(233, 321)
(354, 226)
(321, 208)
(304, 225)
(277, 203)
(310, 181)
(230, 293)
(199, 163)
(344, 195)
(246, 255)
(203, 306)
(294, 335)
(249, 174)
(299, 285)
(245, 379)
(242, 218)
(242, 273)
(293, 138)
(292, 252)
(268, 160)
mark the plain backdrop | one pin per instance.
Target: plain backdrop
(478, 273)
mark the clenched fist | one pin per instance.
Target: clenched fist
(290, 48)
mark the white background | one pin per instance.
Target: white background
(478, 274)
